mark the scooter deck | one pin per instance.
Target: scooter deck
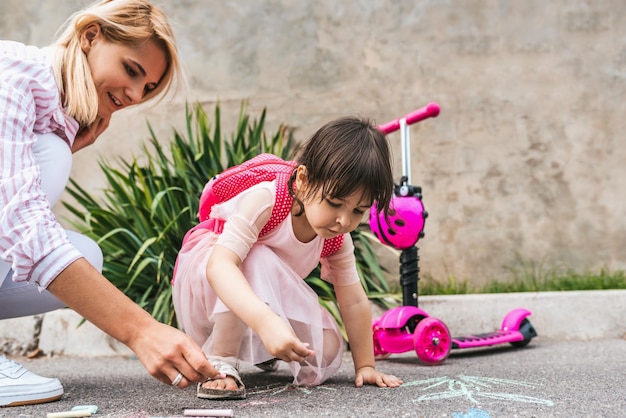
(486, 339)
(516, 330)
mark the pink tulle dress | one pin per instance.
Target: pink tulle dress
(275, 265)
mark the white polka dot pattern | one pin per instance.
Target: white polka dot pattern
(331, 246)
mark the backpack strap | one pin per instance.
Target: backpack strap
(282, 208)
(332, 245)
(234, 180)
(282, 204)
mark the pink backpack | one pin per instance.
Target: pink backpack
(234, 180)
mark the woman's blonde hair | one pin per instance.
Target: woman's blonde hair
(127, 22)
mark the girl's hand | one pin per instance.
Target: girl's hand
(88, 135)
(281, 342)
(370, 376)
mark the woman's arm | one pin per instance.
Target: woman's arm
(163, 350)
(357, 317)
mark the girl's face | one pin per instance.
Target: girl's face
(329, 217)
(122, 74)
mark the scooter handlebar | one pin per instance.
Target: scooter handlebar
(431, 110)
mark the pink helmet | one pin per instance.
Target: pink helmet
(404, 225)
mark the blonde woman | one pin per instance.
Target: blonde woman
(55, 101)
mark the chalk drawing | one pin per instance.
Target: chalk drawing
(276, 389)
(473, 413)
(471, 388)
(259, 402)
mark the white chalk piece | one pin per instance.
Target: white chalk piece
(208, 413)
(69, 414)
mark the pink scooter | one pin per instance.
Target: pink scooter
(408, 327)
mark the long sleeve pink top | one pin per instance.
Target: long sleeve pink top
(31, 239)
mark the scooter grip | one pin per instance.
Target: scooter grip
(429, 111)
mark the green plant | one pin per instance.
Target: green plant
(429, 286)
(554, 281)
(527, 275)
(142, 215)
(144, 212)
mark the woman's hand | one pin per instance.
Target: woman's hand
(165, 351)
(88, 135)
(370, 376)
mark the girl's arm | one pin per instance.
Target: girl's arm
(163, 350)
(252, 210)
(356, 312)
(233, 289)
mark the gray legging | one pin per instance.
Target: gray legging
(54, 158)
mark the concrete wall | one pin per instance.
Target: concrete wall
(525, 161)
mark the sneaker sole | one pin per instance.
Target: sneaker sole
(25, 400)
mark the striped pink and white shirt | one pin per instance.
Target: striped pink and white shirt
(31, 239)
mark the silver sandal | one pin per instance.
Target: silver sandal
(228, 370)
(268, 366)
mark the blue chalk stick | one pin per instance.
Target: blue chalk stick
(91, 408)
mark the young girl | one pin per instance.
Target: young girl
(241, 295)
(55, 101)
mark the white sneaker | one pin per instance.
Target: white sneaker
(18, 386)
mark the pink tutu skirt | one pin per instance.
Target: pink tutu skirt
(278, 285)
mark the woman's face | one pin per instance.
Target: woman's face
(123, 75)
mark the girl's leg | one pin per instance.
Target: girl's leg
(333, 346)
(21, 299)
(228, 333)
(327, 360)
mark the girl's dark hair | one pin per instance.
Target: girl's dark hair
(346, 155)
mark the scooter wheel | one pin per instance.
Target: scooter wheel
(432, 341)
(527, 331)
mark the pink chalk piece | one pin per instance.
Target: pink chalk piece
(208, 413)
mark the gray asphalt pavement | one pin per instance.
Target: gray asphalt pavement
(549, 378)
